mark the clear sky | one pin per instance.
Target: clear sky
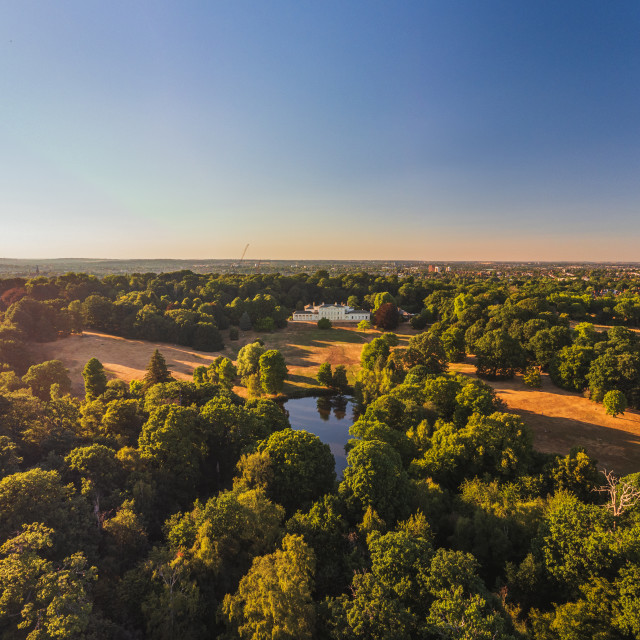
(427, 129)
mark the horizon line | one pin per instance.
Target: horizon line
(249, 260)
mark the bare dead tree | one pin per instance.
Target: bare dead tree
(622, 495)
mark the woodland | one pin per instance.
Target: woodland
(167, 508)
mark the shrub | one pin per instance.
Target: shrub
(324, 323)
(614, 402)
(532, 377)
(265, 324)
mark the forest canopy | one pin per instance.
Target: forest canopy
(171, 507)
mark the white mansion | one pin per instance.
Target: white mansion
(335, 312)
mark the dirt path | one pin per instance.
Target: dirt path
(561, 420)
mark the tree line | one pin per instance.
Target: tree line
(168, 507)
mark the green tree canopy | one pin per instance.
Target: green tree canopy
(302, 466)
(95, 379)
(173, 442)
(40, 597)
(325, 376)
(426, 350)
(498, 355)
(157, 371)
(614, 402)
(41, 377)
(274, 599)
(273, 371)
(375, 478)
(248, 361)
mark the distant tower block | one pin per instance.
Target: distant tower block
(431, 268)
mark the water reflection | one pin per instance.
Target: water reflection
(323, 405)
(329, 417)
(340, 407)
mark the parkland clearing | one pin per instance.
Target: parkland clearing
(150, 474)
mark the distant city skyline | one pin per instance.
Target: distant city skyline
(436, 131)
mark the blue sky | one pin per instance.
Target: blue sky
(435, 130)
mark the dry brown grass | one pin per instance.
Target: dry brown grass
(122, 358)
(561, 420)
(304, 346)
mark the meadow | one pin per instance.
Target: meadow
(559, 419)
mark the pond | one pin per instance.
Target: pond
(329, 418)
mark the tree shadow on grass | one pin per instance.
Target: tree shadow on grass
(299, 379)
(613, 448)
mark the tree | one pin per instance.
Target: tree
(100, 472)
(613, 370)
(227, 532)
(274, 599)
(570, 367)
(171, 607)
(269, 415)
(364, 325)
(461, 303)
(375, 478)
(172, 440)
(383, 298)
(248, 361)
(303, 468)
(325, 376)
(426, 349)
(545, 344)
(499, 445)
(374, 354)
(453, 344)
(339, 379)
(9, 458)
(532, 377)
(45, 599)
(614, 402)
(324, 323)
(622, 495)
(325, 529)
(156, 371)
(206, 337)
(498, 355)
(386, 316)
(576, 540)
(95, 379)
(226, 373)
(265, 324)
(273, 371)
(245, 322)
(97, 312)
(576, 472)
(40, 496)
(41, 377)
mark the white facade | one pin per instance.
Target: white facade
(334, 312)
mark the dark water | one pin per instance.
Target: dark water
(329, 418)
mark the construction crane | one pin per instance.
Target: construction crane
(237, 264)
